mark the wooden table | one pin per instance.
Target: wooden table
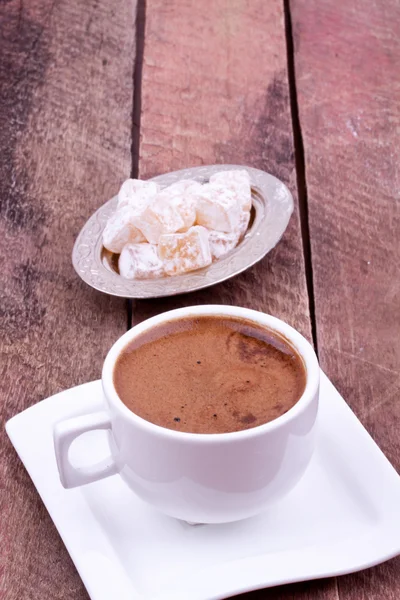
(92, 92)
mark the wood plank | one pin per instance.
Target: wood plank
(305, 590)
(347, 57)
(65, 134)
(215, 90)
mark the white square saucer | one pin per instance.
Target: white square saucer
(343, 516)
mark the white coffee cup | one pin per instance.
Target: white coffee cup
(200, 478)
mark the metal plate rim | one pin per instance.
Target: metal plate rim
(273, 204)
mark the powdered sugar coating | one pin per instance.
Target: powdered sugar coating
(183, 252)
(183, 198)
(218, 208)
(237, 181)
(192, 224)
(158, 218)
(140, 261)
(137, 193)
(244, 222)
(120, 230)
(183, 186)
(221, 243)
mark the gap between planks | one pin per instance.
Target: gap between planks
(300, 170)
(136, 112)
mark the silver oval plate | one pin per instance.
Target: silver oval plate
(271, 211)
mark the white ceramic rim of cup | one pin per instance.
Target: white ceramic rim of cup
(302, 346)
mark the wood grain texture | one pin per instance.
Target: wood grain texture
(65, 133)
(347, 58)
(215, 90)
(324, 589)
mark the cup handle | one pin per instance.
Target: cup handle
(64, 434)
